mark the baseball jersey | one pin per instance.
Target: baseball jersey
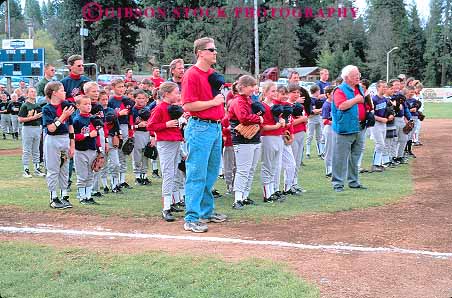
(270, 120)
(137, 119)
(240, 113)
(72, 84)
(326, 113)
(4, 107)
(14, 107)
(49, 113)
(156, 81)
(380, 104)
(82, 127)
(157, 124)
(29, 109)
(119, 103)
(410, 104)
(322, 86)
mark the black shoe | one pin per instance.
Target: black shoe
(339, 189)
(411, 154)
(216, 194)
(56, 204)
(97, 194)
(106, 189)
(238, 205)
(117, 190)
(167, 216)
(84, 202)
(358, 187)
(328, 175)
(279, 195)
(138, 181)
(248, 202)
(155, 174)
(175, 208)
(125, 185)
(181, 204)
(92, 202)
(221, 176)
(146, 181)
(66, 203)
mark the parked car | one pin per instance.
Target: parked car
(14, 81)
(105, 79)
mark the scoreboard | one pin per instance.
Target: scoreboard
(24, 62)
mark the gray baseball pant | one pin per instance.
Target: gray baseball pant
(229, 166)
(289, 167)
(15, 123)
(417, 130)
(31, 136)
(246, 159)
(379, 136)
(5, 123)
(401, 136)
(140, 162)
(57, 177)
(97, 175)
(390, 145)
(411, 135)
(347, 150)
(314, 126)
(328, 137)
(113, 163)
(272, 149)
(122, 157)
(85, 176)
(169, 157)
(297, 150)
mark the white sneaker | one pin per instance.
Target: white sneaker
(26, 173)
(39, 173)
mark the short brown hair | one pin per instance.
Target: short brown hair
(167, 87)
(200, 44)
(73, 58)
(138, 92)
(117, 81)
(246, 81)
(51, 87)
(293, 87)
(79, 99)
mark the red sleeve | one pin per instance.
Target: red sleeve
(131, 125)
(339, 97)
(242, 112)
(190, 88)
(79, 137)
(154, 123)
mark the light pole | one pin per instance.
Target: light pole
(387, 62)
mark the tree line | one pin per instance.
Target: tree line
(116, 43)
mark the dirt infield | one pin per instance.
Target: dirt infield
(419, 222)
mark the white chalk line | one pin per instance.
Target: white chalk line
(322, 247)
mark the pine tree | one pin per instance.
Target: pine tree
(417, 46)
(33, 13)
(432, 54)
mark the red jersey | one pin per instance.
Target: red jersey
(157, 81)
(226, 130)
(196, 87)
(157, 125)
(300, 126)
(240, 110)
(269, 120)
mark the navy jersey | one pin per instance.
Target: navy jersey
(49, 113)
(72, 84)
(136, 117)
(82, 126)
(322, 86)
(326, 110)
(120, 103)
(317, 103)
(410, 104)
(4, 107)
(404, 111)
(380, 104)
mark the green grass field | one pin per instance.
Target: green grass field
(145, 201)
(38, 271)
(438, 110)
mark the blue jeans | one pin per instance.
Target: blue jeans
(202, 168)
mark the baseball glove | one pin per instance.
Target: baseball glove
(98, 162)
(247, 131)
(150, 151)
(63, 158)
(127, 148)
(258, 108)
(421, 116)
(288, 138)
(216, 82)
(408, 127)
(297, 109)
(277, 111)
(175, 111)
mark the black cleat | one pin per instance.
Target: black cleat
(175, 208)
(238, 205)
(106, 190)
(125, 185)
(97, 194)
(167, 216)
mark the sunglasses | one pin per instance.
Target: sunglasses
(81, 65)
(210, 50)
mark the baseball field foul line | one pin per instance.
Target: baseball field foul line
(330, 248)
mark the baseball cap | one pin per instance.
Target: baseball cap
(401, 76)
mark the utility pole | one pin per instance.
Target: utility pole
(82, 37)
(256, 42)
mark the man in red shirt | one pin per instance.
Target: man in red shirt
(156, 78)
(203, 136)
(129, 77)
(348, 113)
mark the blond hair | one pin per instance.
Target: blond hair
(167, 87)
(89, 85)
(79, 98)
(201, 43)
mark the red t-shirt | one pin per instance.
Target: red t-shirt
(196, 87)
(339, 98)
(157, 124)
(269, 120)
(157, 81)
